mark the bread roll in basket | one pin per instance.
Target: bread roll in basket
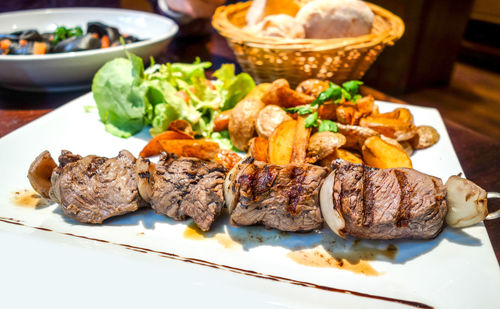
(339, 60)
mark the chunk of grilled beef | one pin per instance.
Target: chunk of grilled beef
(92, 189)
(188, 187)
(284, 197)
(388, 203)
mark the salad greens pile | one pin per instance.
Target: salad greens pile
(130, 97)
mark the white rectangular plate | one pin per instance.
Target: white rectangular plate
(146, 259)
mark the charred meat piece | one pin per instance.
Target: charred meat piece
(284, 197)
(188, 187)
(389, 203)
(92, 189)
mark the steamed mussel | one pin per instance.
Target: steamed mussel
(62, 40)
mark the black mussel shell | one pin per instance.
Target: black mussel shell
(21, 49)
(12, 37)
(74, 43)
(31, 35)
(103, 29)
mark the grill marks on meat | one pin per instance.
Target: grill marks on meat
(388, 203)
(188, 187)
(281, 197)
(92, 189)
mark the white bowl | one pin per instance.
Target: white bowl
(74, 70)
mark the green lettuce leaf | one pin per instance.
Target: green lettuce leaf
(120, 103)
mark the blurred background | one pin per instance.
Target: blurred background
(449, 56)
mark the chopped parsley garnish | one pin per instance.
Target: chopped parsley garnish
(328, 125)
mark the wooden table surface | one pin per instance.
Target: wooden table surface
(478, 153)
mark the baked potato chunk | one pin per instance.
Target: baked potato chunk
(242, 121)
(323, 144)
(355, 135)
(269, 118)
(397, 124)
(425, 136)
(279, 93)
(280, 146)
(313, 87)
(380, 154)
(259, 148)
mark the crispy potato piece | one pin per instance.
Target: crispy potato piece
(348, 156)
(280, 94)
(407, 147)
(259, 148)
(340, 154)
(355, 135)
(426, 136)
(402, 114)
(281, 143)
(380, 154)
(181, 126)
(258, 91)
(365, 105)
(269, 118)
(154, 147)
(221, 122)
(197, 148)
(346, 114)
(323, 144)
(466, 201)
(242, 121)
(227, 158)
(300, 141)
(351, 113)
(393, 128)
(328, 111)
(313, 87)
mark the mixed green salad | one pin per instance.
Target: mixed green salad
(129, 97)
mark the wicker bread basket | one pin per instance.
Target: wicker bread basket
(339, 60)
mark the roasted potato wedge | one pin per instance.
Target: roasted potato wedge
(269, 118)
(154, 148)
(407, 147)
(393, 128)
(323, 144)
(313, 87)
(197, 148)
(279, 93)
(328, 111)
(258, 91)
(380, 154)
(259, 148)
(300, 141)
(466, 201)
(355, 135)
(221, 122)
(365, 105)
(242, 122)
(340, 154)
(346, 114)
(425, 136)
(181, 126)
(227, 158)
(348, 156)
(281, 143)
(402, 114)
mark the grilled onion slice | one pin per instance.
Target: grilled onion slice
(332, 216)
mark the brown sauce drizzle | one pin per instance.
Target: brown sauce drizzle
(232, 269)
